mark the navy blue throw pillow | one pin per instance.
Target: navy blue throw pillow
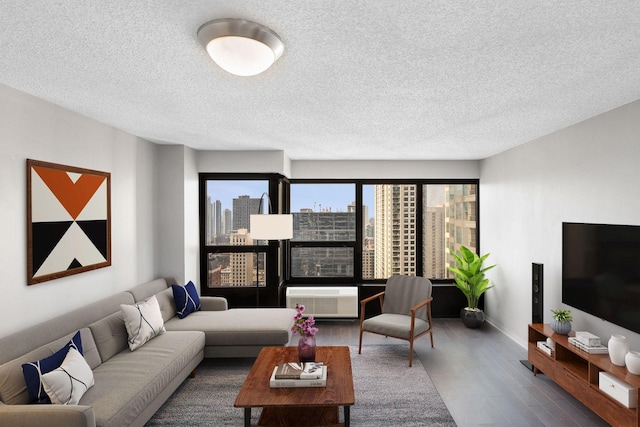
(33, 371)
(186, 298)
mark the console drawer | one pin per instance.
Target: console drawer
(543, 362)
(610, 410)
(578, 387)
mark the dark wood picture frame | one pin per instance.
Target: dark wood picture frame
(68, 220)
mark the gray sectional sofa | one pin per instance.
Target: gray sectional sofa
(130, 386)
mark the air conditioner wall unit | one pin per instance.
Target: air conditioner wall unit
(329, 302)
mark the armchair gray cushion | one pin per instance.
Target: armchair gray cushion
(395, 325)
(403, 292)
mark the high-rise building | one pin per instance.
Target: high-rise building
(434, 242)
(395, 230)
(241, 264)
(243, 207)
(217, 263)
(215, 277)
(370, 228)
(368, 258)
(218, 211)
(323, 226)
(209, 225)
(227, 223)
(460, 205)
(365, 212)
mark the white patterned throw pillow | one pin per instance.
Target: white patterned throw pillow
(67, 384)
(143, 322)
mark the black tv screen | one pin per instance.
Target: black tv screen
(601, 271)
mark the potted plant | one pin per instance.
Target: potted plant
(471, 281)
(561, 323)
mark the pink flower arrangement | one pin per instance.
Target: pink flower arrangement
(304, 327)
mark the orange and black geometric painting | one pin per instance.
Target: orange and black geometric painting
(68, 220)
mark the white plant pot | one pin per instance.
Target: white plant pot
(632, 359)
(618, 349)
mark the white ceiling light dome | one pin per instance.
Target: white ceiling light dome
(240, 47)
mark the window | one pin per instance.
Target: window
(233, 269)
(345, 231)
(450, 221)
(324, 230)
(228, 207)
(229, 257)
(390, 209)
(321, 262)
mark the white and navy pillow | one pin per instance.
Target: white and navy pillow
(34, 371)
(68, 383)
(186, 298)
(143, 321)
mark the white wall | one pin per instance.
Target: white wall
(243, 162)
(146, 205)
(170, 179)
(191, 218)
(372, 169)
(585, 173)
(178, 248)
(278, 162)
(32, 128)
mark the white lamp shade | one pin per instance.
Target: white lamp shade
(271, 227)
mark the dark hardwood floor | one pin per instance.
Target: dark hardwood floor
(478, 374)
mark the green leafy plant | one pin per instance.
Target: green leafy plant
(470, 275)
(562, 315)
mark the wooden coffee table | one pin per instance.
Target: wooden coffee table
(299, 406)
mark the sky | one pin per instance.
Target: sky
(314, 196)
(317, 197)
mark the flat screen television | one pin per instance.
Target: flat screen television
(601, 271)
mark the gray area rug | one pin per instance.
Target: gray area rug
(388, 393)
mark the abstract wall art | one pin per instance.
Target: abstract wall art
(68, 220)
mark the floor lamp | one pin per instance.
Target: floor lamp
(268, 227)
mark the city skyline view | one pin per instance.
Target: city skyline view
(392, 241)
(303, 196)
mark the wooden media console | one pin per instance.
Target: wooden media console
(577, 372)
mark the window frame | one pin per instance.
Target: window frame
(357, 245)
(274, 266)
(357, 251)
(278, 256)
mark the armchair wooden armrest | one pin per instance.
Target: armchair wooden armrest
(379, 295)
(420, 304)
(426, 302)
(372, 297)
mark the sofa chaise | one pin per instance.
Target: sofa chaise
(130, 386)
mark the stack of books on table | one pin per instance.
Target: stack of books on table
(308, 374)
(588, 342)
(542, 345)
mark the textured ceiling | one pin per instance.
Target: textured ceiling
(357, 80)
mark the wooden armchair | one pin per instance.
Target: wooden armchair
(406, 311)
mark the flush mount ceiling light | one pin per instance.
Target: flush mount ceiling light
(240, 47)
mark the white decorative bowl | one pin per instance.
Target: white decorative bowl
(632, 360)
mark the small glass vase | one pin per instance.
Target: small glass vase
(307, 348)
